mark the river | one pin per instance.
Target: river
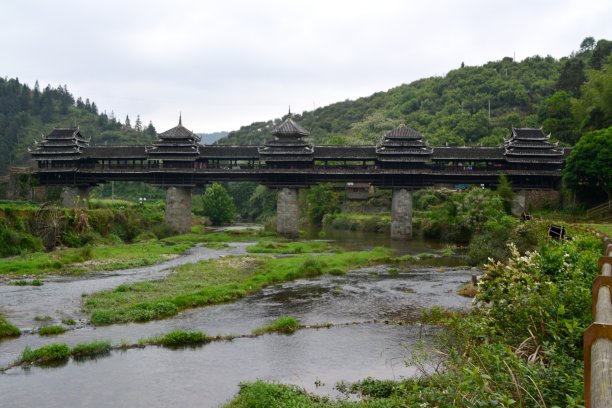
(363, 340)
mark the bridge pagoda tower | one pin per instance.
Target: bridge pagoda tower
(289, 150)
(63, 149)
(402, 148)
(176, 148)
(530, 149)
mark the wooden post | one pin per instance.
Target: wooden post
(598, 338)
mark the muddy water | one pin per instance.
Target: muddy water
(209, 376)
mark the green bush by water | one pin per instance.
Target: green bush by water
(7, 329)
(178, 338)
(284, 325)
(51, 330)
(46, 354)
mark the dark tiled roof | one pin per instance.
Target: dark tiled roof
(403, 132)
(230, 152)
(529, 134)
(179, 132)
(116, 152)
(60, 144)
(290, 128)
(345, 152)
(468, 153)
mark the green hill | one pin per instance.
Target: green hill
(26, 114)
(472, 105)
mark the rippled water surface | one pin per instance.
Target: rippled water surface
(363, 341)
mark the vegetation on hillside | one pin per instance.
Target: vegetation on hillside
(26, 114)
(472, 105)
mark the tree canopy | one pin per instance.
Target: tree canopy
(217, 205)
(589, 165)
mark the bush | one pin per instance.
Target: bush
(51, 330)
(45, 354)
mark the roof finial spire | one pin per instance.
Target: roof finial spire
(289, 110)
(180, 119)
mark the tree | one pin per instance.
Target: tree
(322, 200)
(572, 76)
(217, 204)
(557, 117)
(138, 124)
(587, 44)
(504, 190)
(589, 166)
(128, 124)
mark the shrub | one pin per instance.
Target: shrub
(178, 338)
(51, 330)
(7, 329)
(90, 350)
(45, 354)
(284, 324)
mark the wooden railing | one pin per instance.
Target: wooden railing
(598, 338)
(600, 209)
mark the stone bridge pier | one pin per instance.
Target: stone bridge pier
(401, 214)
(178, 208)
(287, 212)
(75, 196)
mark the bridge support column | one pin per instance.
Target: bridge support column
(401, 214)
(519, 204)
(287, 212)
(178, 208)
(75, 197)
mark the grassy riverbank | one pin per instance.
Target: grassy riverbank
(215, 281)
(88, 259)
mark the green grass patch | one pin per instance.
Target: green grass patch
(51, 330)
(50, 353)
(178, 338)
(262, 394)
(33, 282)
(604, 228)
(69, 322)
(216, 245)
(215, 281)
(467, 290)
(284, 325)
(75, 261)
(7, 329)
(303, 247)
(91, 350)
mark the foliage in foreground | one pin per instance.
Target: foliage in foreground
(521, 346)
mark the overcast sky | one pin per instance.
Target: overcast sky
(228, 63)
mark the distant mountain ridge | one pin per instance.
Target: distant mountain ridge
(210, 138)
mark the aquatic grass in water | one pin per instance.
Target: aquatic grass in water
(51, 330)
(215, 281)
(34, 282)
(91, 350)
(45, 354)
(178, 338)
(7, 329)
(284, 325)
(302, 247)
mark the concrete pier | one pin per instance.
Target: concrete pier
(75, 197)
(287, 212)
(401, 215)
(178, 208)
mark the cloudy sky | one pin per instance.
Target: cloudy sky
(228, 63)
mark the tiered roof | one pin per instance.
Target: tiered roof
(403, 144)
(287, 145)
(60, 144)
(530, 145)
(176, 144)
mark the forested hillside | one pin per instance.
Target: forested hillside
(26, 114)
(473, 105)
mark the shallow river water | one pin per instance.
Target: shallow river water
(362, 342)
